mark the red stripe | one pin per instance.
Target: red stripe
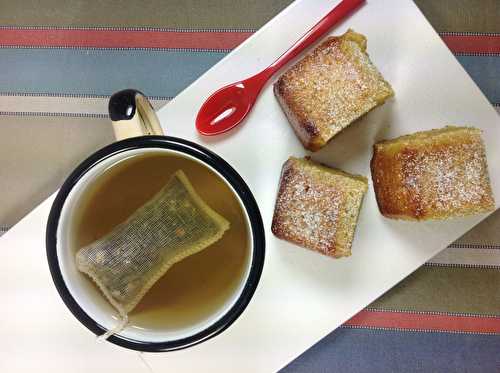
(417, 321)
(473, 43)
(121, 39)
(189, 40)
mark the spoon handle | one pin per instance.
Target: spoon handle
(326, 23)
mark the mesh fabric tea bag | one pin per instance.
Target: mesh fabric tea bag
(172, 225)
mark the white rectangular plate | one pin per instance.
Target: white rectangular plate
(302, 296)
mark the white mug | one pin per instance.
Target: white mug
(134, 121)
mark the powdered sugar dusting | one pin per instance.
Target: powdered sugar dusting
(447, 179)
(335, 84)
(311, 207)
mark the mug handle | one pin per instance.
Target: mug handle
(132, 115)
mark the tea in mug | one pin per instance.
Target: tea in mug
(196, 287)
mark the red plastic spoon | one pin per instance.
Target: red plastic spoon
(229, 105)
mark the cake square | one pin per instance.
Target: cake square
(330, 88)
(436, 174)
(317, 207)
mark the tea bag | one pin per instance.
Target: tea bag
(171, 226)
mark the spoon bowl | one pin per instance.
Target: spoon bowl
(226, 107)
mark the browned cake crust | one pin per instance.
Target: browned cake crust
(330, 88)
(317, 207)
(434, 174)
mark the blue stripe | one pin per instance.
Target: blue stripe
(158, 73)
(365, 350)
(485, 71)
(101, 72)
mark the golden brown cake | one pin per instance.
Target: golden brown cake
(330, 88)
(435, 174)
(317, 207)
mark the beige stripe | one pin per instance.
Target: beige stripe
(444, 15)
(485, 233)
(154, 13)
(60, 104)
(37, 153)
(462, 15)
(443, 289)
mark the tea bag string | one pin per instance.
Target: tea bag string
(117, 329)
(144, 361)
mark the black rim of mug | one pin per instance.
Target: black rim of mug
(203, 155)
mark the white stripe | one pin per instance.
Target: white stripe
(465, 54)
(76, 95)
(475, 246)
(399, 310)
(60, 104)
(114, 28)
(210, 50)
(466, 256)
(452, 33)
(3, 229)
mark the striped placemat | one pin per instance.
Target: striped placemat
(60, 62)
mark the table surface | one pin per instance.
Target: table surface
(56, 77)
